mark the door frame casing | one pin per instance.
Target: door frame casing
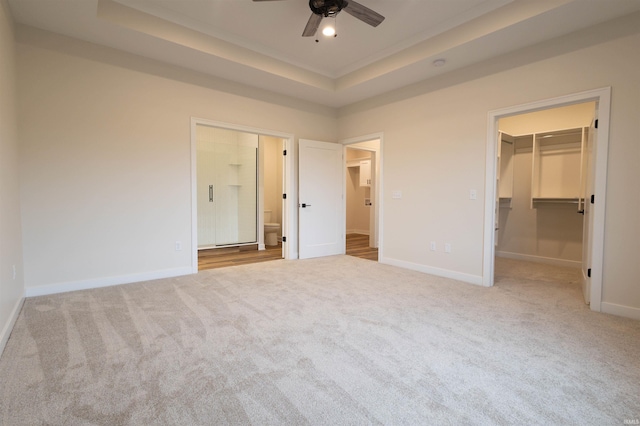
(289, 229)
(378, 183)
(602, 97)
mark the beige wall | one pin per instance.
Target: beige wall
(549, 231)
(434, 152)
(358, 215)
(105, 158)
(11, 289)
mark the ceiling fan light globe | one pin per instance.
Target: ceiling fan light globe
(329, 31)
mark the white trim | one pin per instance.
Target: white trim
(260, 191)
(378, 207)
(8, 327)
(229, 245)
(446, 273)
(540, 259)
(105, 282)
(290, 213)
(289, 218)
(358, 231)
(620, 310)
(603, 98)
(194, 199)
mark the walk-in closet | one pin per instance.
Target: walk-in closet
(542, 183)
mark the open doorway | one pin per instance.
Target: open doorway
(362, 189)
(595, 179)
(233, 191)
(543, 159)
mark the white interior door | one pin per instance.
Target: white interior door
(589, 179)
(320, 199)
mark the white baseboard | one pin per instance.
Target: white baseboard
(358, 231)
(6, 330)
(540, 259)
(620, 310)
(106, 282)
(446, 273)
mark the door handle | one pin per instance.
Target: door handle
(211, 193)
(303, 205)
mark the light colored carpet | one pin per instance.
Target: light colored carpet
(335, 340)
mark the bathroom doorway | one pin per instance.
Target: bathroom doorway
(239, 175)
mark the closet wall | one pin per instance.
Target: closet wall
(549, 232)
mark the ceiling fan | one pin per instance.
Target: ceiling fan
(330, 8)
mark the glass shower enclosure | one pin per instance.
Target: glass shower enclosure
(227, 189)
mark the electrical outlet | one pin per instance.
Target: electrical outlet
(433, 246)
(447, 247)
(178, 246)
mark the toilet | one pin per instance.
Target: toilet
(271, 230)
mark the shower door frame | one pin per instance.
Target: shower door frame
(233, 225)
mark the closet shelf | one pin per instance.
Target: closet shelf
(355, 163)
(505, 202)
(553, 200)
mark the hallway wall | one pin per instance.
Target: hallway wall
(358, 214)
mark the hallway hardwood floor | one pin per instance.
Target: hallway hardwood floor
(357, 245)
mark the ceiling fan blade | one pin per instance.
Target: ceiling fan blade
(363, 13)
(312, 25)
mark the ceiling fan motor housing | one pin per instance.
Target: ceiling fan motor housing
(327, 8)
